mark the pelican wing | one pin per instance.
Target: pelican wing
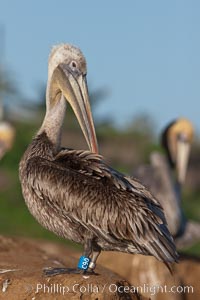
(115, 208)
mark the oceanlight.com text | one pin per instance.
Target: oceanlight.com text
(58, 288)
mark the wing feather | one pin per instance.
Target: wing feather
(119, 209)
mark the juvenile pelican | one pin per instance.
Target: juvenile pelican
(166, 175)
(73, 192)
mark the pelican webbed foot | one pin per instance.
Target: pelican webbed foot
(59, 271)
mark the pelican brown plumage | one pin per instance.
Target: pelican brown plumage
(165, 177)
(74, 193)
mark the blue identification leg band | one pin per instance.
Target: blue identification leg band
(83, 263)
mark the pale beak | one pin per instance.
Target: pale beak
(182, 158)
(74, 89)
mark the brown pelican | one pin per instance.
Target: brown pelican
(73, 192)
(166, 175)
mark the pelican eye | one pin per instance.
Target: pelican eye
(182, 137)
(73, 65)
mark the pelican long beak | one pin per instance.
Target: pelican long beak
(183, 151)
(74, 89)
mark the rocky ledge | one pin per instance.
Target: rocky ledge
(21, 274)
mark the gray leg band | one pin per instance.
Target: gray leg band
(92, 265)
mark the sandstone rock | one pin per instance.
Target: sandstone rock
(146, 273)
(21, 275)
(154, 277)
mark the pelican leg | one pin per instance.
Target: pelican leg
(95, 254)
(58, 271)
(91, 249)
(84, 260)
(87, 248)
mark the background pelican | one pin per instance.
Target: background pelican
(7, 133)
(74, 193)
(166, 176)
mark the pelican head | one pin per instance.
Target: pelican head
(176, 139)
(67, 78)
(7, 136)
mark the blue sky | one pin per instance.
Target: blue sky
(146, 53)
